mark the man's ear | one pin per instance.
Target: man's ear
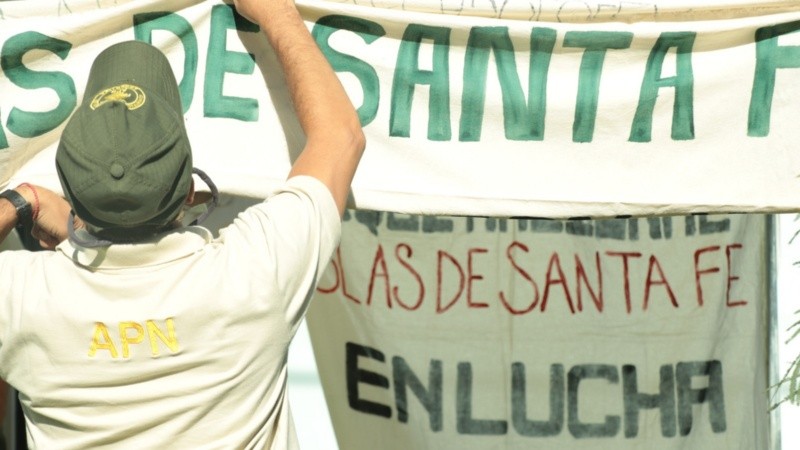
(190, 197)
(197, 197)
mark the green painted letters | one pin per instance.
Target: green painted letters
(683, 82)
(26, 123)
(143, 26)
(407, 75)
(341, 62)
(769, 58)
(521, 121)
(3, 138)
(596, 43)
(220, 61)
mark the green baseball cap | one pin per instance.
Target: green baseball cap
(124, 159)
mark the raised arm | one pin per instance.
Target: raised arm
(334, 139)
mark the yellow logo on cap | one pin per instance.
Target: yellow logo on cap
(132, 96)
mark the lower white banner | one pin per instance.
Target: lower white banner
(479, 333)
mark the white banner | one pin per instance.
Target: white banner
(459, 333)
(462, 333)
(547, 108)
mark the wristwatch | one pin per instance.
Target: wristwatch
(24, 209)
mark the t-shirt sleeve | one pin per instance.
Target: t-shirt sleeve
(283, 245)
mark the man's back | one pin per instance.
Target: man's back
(178, 342)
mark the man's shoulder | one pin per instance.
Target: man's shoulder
(302, 193)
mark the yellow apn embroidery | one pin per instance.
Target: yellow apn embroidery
(156, 334)
(131, 334)
(131, 95)
(101, 333)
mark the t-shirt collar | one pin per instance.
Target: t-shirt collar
(161, 249)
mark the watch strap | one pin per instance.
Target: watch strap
(22, 206)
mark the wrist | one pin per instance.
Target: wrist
(31, 195)
(22, 207)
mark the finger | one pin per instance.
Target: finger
(46, 240)
(38, 232)
(48, 245)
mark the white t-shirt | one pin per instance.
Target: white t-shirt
(178, 342)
